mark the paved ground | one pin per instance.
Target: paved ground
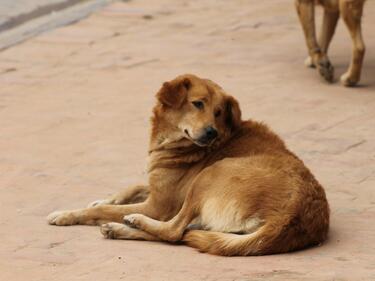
(75, 105)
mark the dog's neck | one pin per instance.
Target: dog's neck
(168, 148)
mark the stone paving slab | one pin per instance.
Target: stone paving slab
(74, 110)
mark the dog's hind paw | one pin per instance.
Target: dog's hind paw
(114, 230)
(348, 81)
(133, 220)
(100, 202)
(309, 62)
(326, 70)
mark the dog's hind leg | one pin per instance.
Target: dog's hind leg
(171, 230)
(306, 13)
(114, 230)
(329, 24)
(351, 12)
(130, 195)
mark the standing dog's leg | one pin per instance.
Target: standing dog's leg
(306, 13)
(351, 12)
(130, 195)
(99, 214)
(330, 19)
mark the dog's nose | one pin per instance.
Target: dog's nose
(210, 133)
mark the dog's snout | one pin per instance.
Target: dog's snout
(207, 136)
(210, 133)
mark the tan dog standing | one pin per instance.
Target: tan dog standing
(351, 13)
(235, 180)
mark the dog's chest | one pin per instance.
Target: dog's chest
(164, 177)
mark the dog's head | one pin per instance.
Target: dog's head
(196, 109)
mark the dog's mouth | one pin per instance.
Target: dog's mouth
(201, 141)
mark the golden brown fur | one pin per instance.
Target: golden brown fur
(351, 13)
(222, 185)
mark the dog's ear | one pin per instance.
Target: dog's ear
(232, 113)
(173, 93)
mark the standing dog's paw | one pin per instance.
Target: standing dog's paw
(309, 62)
(326, 70)
(133, 220)
(61, 218)
(100, 202)
(348, 81)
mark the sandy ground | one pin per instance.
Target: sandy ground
(74, 111)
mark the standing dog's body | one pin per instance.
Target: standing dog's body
(234, 180)
(351, 12)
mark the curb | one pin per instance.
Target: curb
(46, 18)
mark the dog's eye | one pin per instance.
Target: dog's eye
(198, 104)
(217, 113)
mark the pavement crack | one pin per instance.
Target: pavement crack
(55, 244)
(336, 124)
(354, 145)
(364, 179)
(10, 69)
(141, 63)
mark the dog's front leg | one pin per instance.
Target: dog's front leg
(130, 195)
(306, 13)
(98, 214)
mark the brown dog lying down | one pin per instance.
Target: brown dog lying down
(235, 181)
(351, 13)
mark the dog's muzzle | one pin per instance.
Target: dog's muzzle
(209, 134)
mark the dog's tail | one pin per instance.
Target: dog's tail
(268, 239)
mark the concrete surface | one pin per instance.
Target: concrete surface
(74, 109)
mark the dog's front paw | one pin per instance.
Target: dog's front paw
(100, 202)
(133, 220)
(61, 218)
